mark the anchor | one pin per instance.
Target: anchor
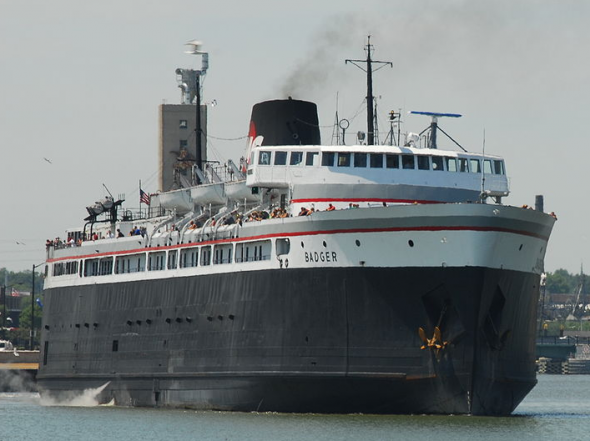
(436, 342)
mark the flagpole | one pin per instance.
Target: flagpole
(3, 290)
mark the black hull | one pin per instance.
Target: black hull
(328, 340)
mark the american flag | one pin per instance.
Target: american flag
(144, 197)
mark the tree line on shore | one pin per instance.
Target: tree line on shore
(21, 281)
(562, 281)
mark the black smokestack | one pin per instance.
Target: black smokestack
(285, 122)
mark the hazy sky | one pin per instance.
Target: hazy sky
(80, 85)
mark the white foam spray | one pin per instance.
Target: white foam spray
(16, 381)
(86, 398)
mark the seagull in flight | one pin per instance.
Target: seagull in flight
(48, 160)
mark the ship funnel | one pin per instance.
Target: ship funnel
(285, 122)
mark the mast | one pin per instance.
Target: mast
(370, 99)
(370, 114)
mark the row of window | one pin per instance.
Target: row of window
(171, 259)
(380, 160)
(62, 268)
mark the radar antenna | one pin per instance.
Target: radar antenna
(434, 127)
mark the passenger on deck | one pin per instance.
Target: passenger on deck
(119, 234)
(303, 212)
(192, 225)
(330, 207)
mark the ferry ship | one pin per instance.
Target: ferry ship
(310, 278)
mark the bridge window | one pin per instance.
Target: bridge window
(280, 158)
(437, 163)
(296, 158)
(407, 162)
(264, 158)
(310, 158)
(463, 165)
(487, 167)
(343, 159)
(474, 166)
(376, 160)
(423, 163)
(328, 158)
(392, 161)
(499, 167)
(451, 164)
(360, 159)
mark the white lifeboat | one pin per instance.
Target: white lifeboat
(205, 194)
(179, 200)
(238, 191)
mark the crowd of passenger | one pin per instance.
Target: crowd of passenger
(235, 217)
(72, 241)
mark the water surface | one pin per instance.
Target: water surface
(557, 409)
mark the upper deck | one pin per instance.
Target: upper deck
(398, 174)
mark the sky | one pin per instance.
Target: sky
(81, 82)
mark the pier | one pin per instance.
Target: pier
(568, 355)
(19, 361)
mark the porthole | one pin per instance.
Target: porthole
(324, 243)
(358, 243)
(302, 244)
(411, 243)
(520, 247)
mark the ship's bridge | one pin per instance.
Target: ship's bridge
(377, 173)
